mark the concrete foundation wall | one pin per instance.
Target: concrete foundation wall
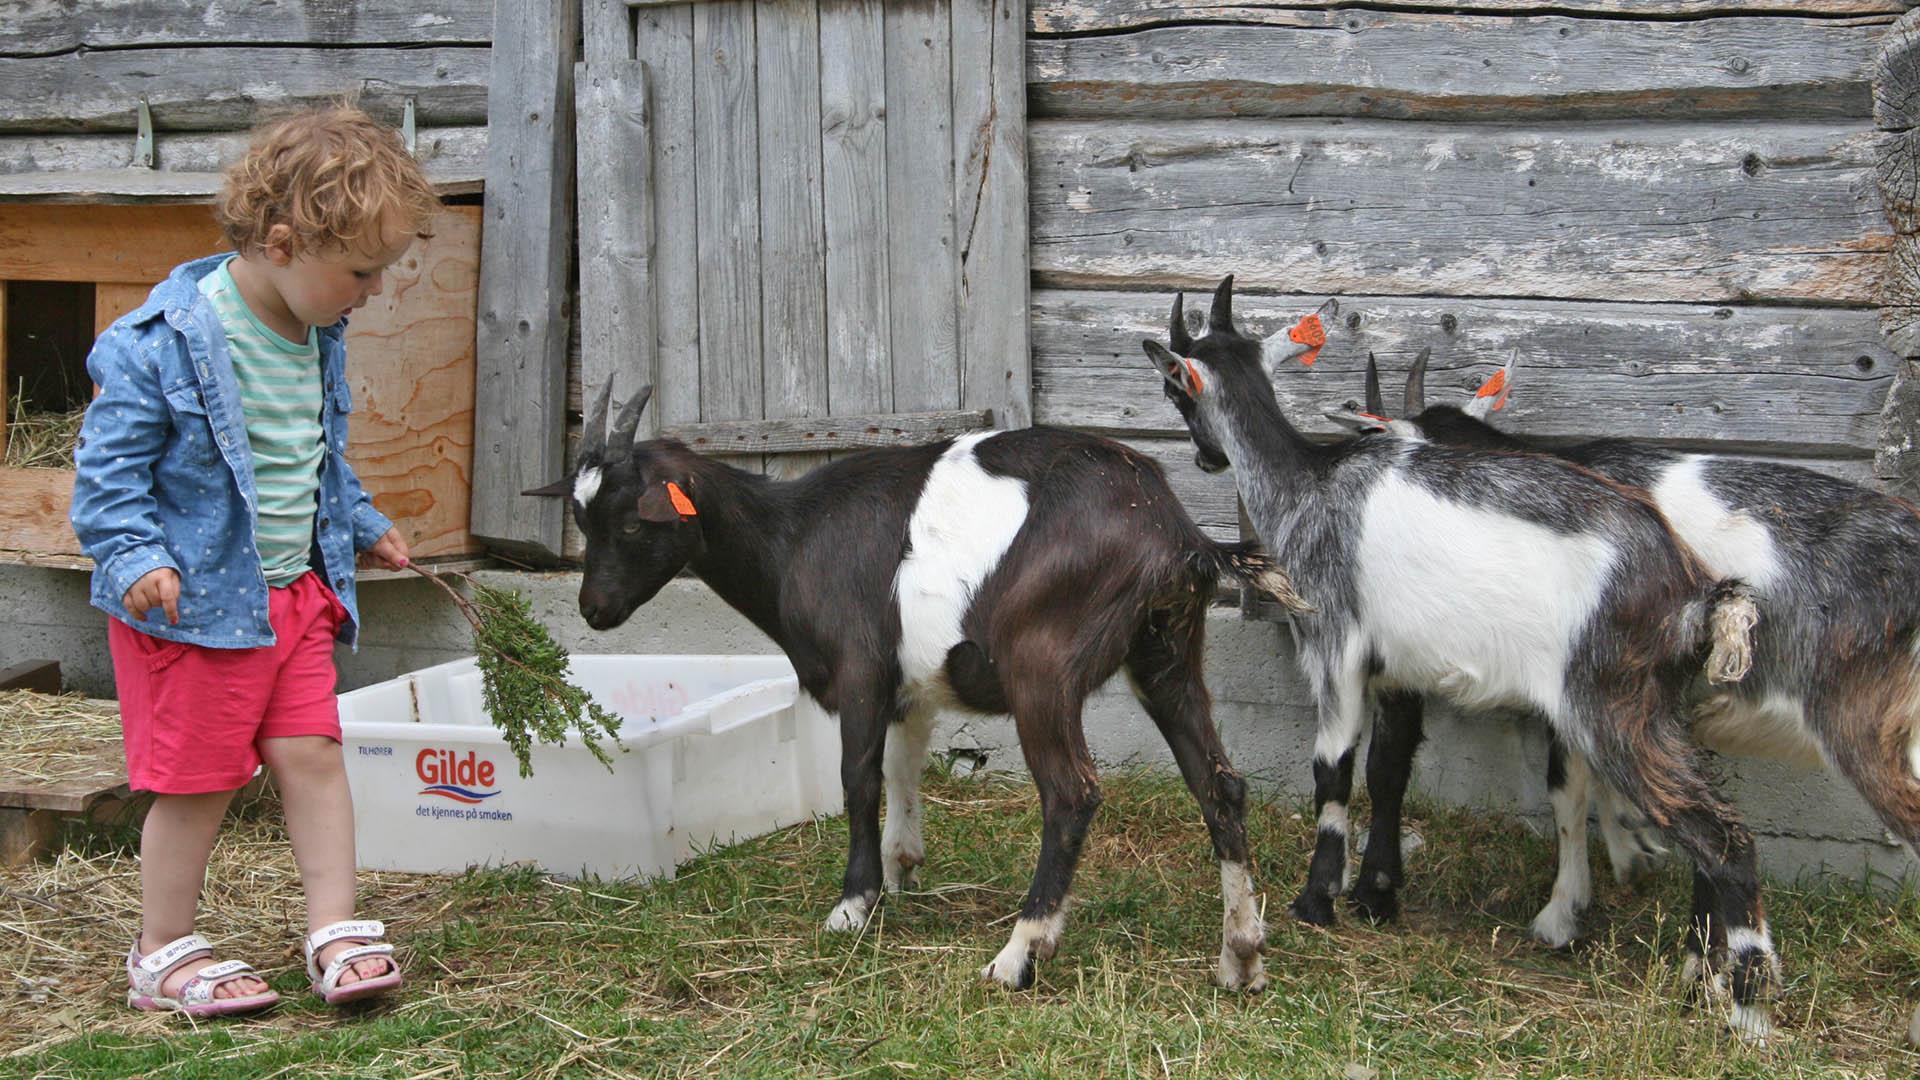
(1806, 822)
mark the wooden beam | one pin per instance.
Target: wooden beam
(1126, 16)
(106, 24)
(727, 210)
(923, 266)
(6, 380)
(1356, 62)
(826, 433)
(1691, 213)
(1896, 76)
(41, 676)
(527, 253)
(615, 160)
(95, 168)
(91, 243)
(663, 40)
(232, 89)
(114, 299)
(1775, 380)
(853, 117)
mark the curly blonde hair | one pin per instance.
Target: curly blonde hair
(336, 176)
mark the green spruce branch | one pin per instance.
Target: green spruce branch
(523, 674)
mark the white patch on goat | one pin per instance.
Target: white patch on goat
(1732, 543)
(961, 527)
(1773, 727)
(1634, 845)
(1032, 940)
(849, 914)
(1559, 922)
(1242, 932)
(1505, 641)
(902, 848)
(586, 486)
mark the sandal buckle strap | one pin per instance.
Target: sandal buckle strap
(173, 953)
(352, 928)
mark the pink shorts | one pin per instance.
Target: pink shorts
(192, 717)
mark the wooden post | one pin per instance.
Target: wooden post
(1896, 110)
(526, 253)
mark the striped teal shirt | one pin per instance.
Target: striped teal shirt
(280, 393)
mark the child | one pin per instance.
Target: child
(215, 499)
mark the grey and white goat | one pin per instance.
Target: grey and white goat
(1002, 572)
(1835, 570)
(1492, 579)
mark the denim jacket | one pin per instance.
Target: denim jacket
(165, 476)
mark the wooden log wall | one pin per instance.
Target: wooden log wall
(73, 74)
(1670, 212)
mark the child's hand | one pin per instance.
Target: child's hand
(390, 550)
(155, 589)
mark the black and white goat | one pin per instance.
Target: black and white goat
(1835, 570)
(1491, 579)
(1002, 572)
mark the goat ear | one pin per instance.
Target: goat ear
(558, 487)
(665, 501)
(1416, 401)
(1491, 397)
(1182, 373)
(1376, 404)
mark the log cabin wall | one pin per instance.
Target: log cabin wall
(1670, 212)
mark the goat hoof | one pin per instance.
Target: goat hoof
(850, 914)
(1016, 973)
(1638, 869)
(1752, 1023)
(1315, 909)
(1555, 927)
(901, 871)
(1377, 905)
(1247, 974)
(1913, 1030)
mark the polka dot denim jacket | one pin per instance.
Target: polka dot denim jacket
(165, 478)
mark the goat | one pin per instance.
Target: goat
(1597, 617)
(1000, 572)
(1835, 570)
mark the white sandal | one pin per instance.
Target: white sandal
(327, 984)
(145, 974)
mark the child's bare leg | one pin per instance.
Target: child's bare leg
(312, 778)
(175, 844)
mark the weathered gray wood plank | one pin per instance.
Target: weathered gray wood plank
(1774, 380)
(923, 267)
(726, 140)
(526, 252)
(990, 212)
(54, 26)
(231, 89)
(820, 434)
(607, 30)
(1089, 16)
(91, 168)
(1355, 62)
(853, 119)
(793, 270)
(1897, 174)
(1696, 213)
(616, 230)
(664, 41)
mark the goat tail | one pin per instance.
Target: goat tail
(1732, 614)
(1258, 570)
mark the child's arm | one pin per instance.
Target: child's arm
(114, 514)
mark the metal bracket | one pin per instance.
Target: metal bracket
(143, 141)
(407, 129)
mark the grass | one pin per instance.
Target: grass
(725, 971)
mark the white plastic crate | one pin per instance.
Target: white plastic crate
(718, 748)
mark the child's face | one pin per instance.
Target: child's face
(319, 287)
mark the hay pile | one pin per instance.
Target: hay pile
(40, 440)
(51, 738)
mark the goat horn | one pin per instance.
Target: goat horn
(1177, 335)
(1220, 321)
(1376, 404)
(620, 440)
(1417, 385)
(593, 437)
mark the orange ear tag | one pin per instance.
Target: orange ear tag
(680, 501)
(1371, 416)
(1495, 385)
(1310, 333)
(1199, 384)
